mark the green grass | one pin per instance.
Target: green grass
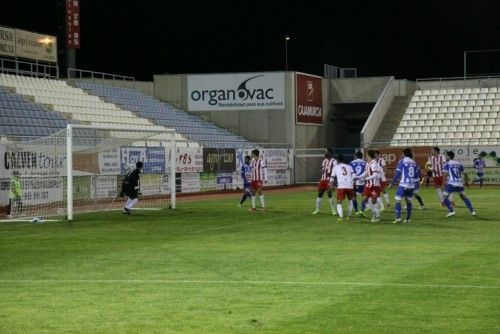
(210, 267)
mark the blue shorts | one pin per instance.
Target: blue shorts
(448, 189)
(417, 188)
(480, 174)
(404, 192)
(247, 187)
(359, 189)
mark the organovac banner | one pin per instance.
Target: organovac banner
(238, 91)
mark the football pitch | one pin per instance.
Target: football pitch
(211, 267)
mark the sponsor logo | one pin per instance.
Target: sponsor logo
(241, 93)
(310, 91)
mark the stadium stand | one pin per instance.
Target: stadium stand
(58, 103)
(469, 116)
(22, 118)
(163, 114)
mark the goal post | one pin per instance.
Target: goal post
(156, 148)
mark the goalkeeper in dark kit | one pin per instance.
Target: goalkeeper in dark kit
(130, 188)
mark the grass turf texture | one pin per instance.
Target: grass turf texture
(210, 267)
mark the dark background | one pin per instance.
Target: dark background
(408, 39)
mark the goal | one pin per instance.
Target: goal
(81, 169)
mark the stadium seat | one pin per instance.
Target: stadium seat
(455, 113)
(161, 113)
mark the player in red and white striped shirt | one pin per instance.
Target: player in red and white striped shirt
(325, 182)
(437, 161)
(258, 178)
(383, 180)
(372, 185)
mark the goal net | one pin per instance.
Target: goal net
(81, 169)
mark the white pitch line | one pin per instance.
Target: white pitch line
(245, 282)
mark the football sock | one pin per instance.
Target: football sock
(132, 203)
(127, 203)
(386, 198)
(243, 198)
(440, 194)
(409, 207)
(363, 205)
(262, 203)
(253, 202)
(333, 202)
(351, 206)
(380, 202)
(397, 208)
(419, 199)
(468, 204)
(376, 210)
(318, 203)
(355, 204)
(480, 182)
(340, 211)
(447, 202)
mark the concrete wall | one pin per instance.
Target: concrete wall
(356, 90)
(405, 87)
(169, 88)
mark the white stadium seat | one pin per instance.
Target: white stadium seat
(453, 116)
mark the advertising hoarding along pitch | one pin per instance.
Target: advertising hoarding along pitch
(238, 91)
(219, 159)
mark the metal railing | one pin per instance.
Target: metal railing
(378, 113)
(335, 72)
(459, 82)
(435, 142)
(74, 73)
(29, 68)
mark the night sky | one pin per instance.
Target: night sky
(408, 39)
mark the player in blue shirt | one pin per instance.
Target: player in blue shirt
(246, 173)
(409, 172)
(359, 166)
(479, 165)
(453, 171)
